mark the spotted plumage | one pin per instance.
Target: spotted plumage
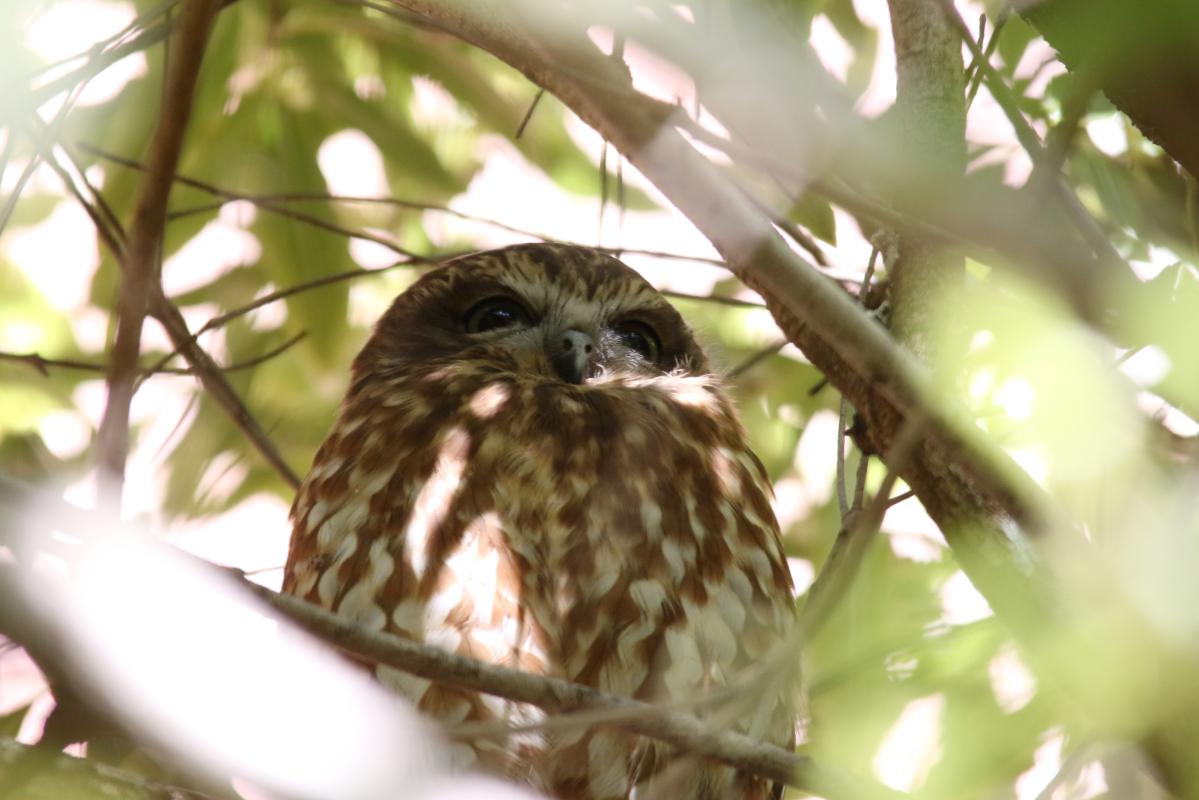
(534, 467)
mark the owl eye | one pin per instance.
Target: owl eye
(495, 313)
(639, 337)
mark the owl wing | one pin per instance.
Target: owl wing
(688, 590)
(394, 528)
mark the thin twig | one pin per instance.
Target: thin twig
(43, 365)
(274, 203)
(107, 228)
(217, 386)
(756, 358)
(524, 121)
(841, 479)
(554, 695)
(603, 187)
(10, 202)
(271, 207)
(736, 302)
(843, 409)
(98, 63)
(853, 540)
(1031, 142)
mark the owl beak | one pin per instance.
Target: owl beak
(571, 355)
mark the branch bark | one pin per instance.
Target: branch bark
(140, 260)
(931, 105)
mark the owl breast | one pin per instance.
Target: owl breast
(618, 534)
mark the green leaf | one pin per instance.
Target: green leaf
(816, 214)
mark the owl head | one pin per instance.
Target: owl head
(557, 312)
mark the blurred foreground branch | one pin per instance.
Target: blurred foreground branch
(686, 732)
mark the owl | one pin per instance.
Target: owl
(534, 466)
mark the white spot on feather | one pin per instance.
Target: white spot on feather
(358, 606)
(726, 472)
(686, 669)
(490, 400)
(476, 566)
(344, 522)
(435, 498)
(651, 519)
(732, 608)
(647, 594)
(330, 582)
(409, 617)
(674, 559)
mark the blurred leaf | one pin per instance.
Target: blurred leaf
(10, 723)
(816, 214)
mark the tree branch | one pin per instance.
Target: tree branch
(554, 695)
(973, 491)
(559, 696)
(140, 264)
(217, 386)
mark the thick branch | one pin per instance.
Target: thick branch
(930, 102)
(968, 486)
(140, 264)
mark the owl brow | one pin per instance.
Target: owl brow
(481, 286)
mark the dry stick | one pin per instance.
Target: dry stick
(140, 268)
(974, 76)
